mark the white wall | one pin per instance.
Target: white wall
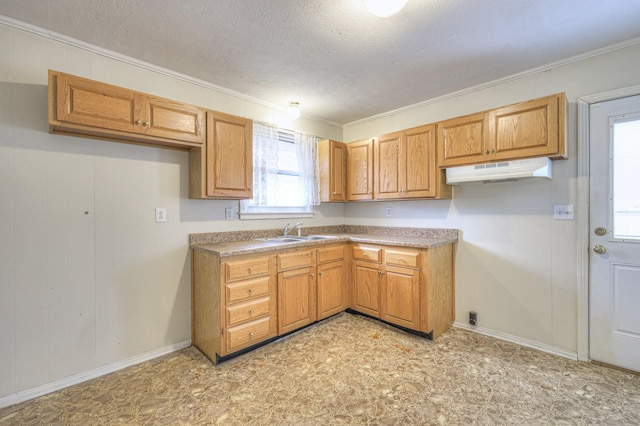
(78, 291)
(516, 266)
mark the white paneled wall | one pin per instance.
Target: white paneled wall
(88, 281)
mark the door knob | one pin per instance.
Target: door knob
(600, 249)
(600, 231)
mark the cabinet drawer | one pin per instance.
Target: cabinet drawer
(295, 259)
(241, 269)
(329, 254)
(247, 334)
(243, 290)
(241, 312)
(402, 258)
(371, 254)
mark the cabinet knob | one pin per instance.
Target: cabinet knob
(250, 290)
(380, 272)
(251, 334)
(138, 121)
(334, 192)
(251, 312)
(486, 151)
(320, 273)
(313, 275)
(250, 269)
(493, 150)
(146, 123)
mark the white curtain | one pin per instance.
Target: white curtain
(308, 167)
(265, 163)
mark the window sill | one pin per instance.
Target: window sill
(274, 215)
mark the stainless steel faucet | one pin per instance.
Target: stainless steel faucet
(297, 225)
(286, 229)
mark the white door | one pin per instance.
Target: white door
(614, 274)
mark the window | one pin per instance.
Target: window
(285, 174)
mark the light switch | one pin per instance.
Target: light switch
(228, 213)
(563, 211)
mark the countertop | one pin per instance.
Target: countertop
(233, 248)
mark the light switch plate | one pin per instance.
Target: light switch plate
(563, 211)
(228, 213)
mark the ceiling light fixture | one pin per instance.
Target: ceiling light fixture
(294, 110)
(384, 8)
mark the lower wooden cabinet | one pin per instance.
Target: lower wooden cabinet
(240, 301)
(332, 281)
(296, 290)
(412, 288)
(234, 302)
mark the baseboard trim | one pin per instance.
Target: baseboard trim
(519, 341)
(57, 385)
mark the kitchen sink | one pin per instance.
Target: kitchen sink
(287, 239)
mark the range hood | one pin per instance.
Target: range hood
(504, 171)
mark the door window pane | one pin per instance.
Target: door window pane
(626, 178)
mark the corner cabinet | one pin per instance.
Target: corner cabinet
(534, 128)
(89, 108)
(223, 168)
(405, 166)
(411, 288)
(332, 160)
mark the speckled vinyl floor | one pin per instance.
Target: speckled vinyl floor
(350, 370)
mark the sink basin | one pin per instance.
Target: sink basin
(316, 237)
(283, 239)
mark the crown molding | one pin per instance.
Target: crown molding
(500, 81)
(73, 42)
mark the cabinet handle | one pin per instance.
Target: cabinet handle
(138, 121)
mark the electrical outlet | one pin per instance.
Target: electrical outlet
(387, 211)
(228, 213)
(161, 215)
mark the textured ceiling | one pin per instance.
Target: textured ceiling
(339, 62)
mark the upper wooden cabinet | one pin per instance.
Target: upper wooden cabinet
(332, 159)
(360, 170)
(224, 167)
(90, 108)
(405, 166)
(534, 128)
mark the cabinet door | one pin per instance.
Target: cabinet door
(296, 299)
(332, 289)
(91, 103)
(174, 120)
(332, 158)
(229, 156)
(360, 170)
(400, 298)
(366, 283)
(418, 163)
(527, 129)
(387, 166)
(463, 140)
